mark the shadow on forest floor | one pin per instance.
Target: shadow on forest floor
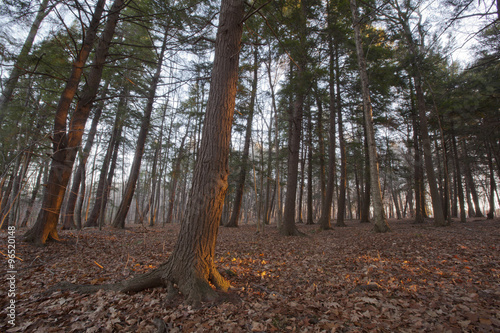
(417, 278)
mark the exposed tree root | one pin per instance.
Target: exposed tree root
(195, 288)
(381, 228)
(291, 232)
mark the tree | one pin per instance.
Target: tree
(402, 19)
(301, 87)
(326, 208)
(66, 141)
(17, 70)
(378, 210)
(119, 220)
(191, 266)
(235, 215)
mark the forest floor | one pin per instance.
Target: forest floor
(417, 278)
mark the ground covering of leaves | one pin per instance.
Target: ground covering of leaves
(417, 278)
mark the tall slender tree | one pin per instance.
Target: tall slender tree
(380, 224)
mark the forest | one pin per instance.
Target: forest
(191, 165)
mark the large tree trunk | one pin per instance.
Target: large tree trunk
(235, 215)
(380, 224)
(65, 143)
(121, 215)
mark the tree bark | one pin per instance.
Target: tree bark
(380, 224)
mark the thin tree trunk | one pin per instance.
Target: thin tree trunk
(491, 213)
(321, 150)
(119, 220)
(112, 150)
(460, 190)
(470, 181)
(69, 222)
(309, 219)
(233, 221)
(380, 224)
(175, 175)
(343, 158)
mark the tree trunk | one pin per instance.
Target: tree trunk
(491, 213)
(233, 221)
(326, 209)
(437, 206)
(121, 215)
(302, 163)
(32, 200)
(191, 266)
(365, 207)
(309, 219)
(460, 190)
(112, 150)
(380, 224)
(175, 175)
(288, 228)
(470, 181)
(69, 221)
(343, 158)
(321, 150)
(65, 143)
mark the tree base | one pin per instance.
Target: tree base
(381, 228)
(195, 287)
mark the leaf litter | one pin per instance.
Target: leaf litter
(417, 278)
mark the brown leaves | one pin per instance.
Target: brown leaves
(416, 278)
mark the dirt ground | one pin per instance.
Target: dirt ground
(417, 278)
